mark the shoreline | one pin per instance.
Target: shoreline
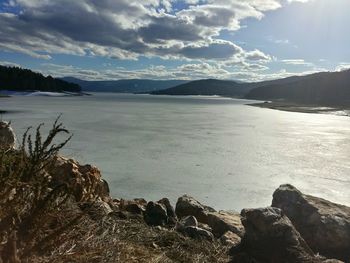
(294, 107)
(281, 106)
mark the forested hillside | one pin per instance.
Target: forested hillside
(325, 88)
(207, 87)
(18, 79)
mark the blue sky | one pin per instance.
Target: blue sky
(248, 40)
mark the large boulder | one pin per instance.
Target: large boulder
(84, 181)
(223, 221)
(156, 214)
(7, 136)
(324, 225)
(188, 206)
(270, 237)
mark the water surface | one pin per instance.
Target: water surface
(224, 153)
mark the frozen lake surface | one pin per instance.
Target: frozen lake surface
(224, 153)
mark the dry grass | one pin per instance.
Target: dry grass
(116, 240)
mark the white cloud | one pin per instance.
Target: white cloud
(257, 55)
(23, 50)
(282, 41)
(9, 64)
(297, 62)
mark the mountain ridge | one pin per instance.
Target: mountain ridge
(124, 85)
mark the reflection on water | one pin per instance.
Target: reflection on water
(221, 151)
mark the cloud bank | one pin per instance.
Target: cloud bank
(127, 29)
(189, 31)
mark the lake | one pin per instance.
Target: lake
(224, 153)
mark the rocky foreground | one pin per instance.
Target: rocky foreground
(295, 228)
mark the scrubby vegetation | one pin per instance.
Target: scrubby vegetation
(18, 79)
(29, 204)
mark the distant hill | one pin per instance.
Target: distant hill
(282, 81)
(18, 79)
(125, 86)
(227, 88)
(325, 88)
(207, 87)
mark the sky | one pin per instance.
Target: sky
(247, 40)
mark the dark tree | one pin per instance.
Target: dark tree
(18, 79)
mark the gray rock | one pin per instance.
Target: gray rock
(324, 225)
(83, 180)
(270, 237)
(104, 189)
(188, 206)
(156, 214)
(172, 218)
(7, 136)
(223, 221)
(189, 221)
(198, 233)
(134, 208)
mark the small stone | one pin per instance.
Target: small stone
(198, 233)
(169, 208)
(134, 208)
(189, 221)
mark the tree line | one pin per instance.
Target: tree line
(19, 79)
